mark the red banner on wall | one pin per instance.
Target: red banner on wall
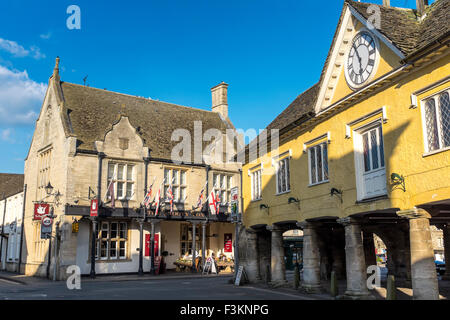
(94, 208)
(41, 210)
(147, 245)
(228, 242)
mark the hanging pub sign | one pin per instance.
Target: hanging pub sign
(94, 208)
(41, 210)
(228, 242)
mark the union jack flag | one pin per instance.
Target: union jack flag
(169, 196)
(148, 196)
(200, 198)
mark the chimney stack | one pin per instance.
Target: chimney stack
(220, 99)
(386, 3)
(420, 4)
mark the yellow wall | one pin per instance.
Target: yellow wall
(388, 61)
(427, 177)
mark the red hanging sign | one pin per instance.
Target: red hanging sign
(147, 245)
(94, 208)
(41, 210)
(228, 242)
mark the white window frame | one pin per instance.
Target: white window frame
(223, 189)
(179, 185)
(117, 239)
(423, 102)
(125, 180)
(314, 147)
(256, 190)
(287, 173)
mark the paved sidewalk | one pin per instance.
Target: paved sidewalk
(170, 275)
(25, 280)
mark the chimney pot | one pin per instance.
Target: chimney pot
(421, 4)
(386, 3)
(220, 99)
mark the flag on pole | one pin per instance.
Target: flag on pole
(148, 196)
(200, 197)
(169, 196)
(110, 190)
(111, 194)
(157, 199)
(213, 202)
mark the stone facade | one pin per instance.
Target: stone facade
(55, 156)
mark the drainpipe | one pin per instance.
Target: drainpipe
(141, 222)
(101, 156)
(236, 236)
(208, 169)
(3, 228)
(22, 230)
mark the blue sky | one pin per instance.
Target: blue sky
(170, 50)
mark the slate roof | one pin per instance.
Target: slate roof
(302, 105)
(90, 113)
(10, 184)
(404, 28)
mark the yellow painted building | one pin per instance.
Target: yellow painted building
(369, 142)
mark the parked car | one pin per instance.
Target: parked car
(440, 267)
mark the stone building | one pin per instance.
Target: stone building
(87, 138)
(365, 150)
(11, 217)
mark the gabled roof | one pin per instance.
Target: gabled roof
(90, 114)
(402, 27)
(301, 106)
(10, 184)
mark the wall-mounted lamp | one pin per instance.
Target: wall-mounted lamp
(398, 180)
(49, 188)
(336, 192)
(263, 206)
(293, 200)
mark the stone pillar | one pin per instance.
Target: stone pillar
(194, 248)
(423, 269)
(355, 260)
(278, 268)
(152, 247)
(446, 231)
(252, 256)
(141, 247)
(369, 249)
(311, 258)
(204, 255)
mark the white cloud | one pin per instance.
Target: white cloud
(19, 51)
(5, 135)
(14, 48)
(20, 97)
(46, 36)
(37, 54)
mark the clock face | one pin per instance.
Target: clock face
(361, 59)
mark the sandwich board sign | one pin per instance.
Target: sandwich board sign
(239, 276)
(46, 227)
(210, 266)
